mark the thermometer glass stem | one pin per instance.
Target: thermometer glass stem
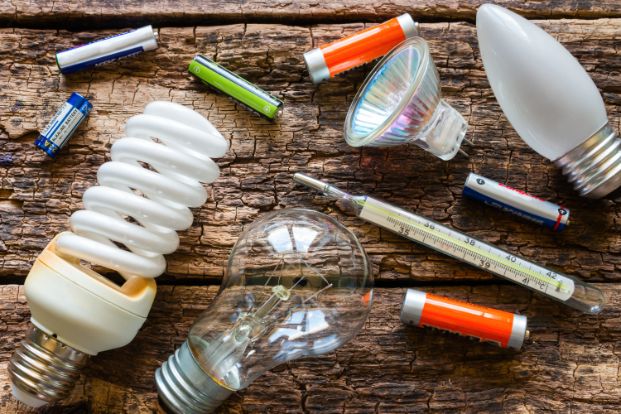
(563, 288)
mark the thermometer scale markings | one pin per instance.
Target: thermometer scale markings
(474, 252)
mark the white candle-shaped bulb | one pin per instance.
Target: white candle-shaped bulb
(550, 99)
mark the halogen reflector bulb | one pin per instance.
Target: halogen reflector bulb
(298, 284)
(549, 99)
(400, 103)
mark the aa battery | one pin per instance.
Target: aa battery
(359, 48)
(106, 50)
(517, 202)
(64, 123)
(504, 329)
(238, 88)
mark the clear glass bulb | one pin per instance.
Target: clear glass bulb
(298, 284)
(549, 99)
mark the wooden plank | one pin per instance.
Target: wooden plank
(37, 195)
(106, 13)
(571, 364)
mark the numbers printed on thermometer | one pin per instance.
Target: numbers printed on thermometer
(468, 249)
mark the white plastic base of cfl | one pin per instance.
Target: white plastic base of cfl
(83, 309)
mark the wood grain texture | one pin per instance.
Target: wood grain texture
(570, 365)
(107, 13)
(38, 195)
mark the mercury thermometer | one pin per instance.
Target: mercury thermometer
(563, 288)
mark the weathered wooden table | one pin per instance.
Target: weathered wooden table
(572, 363)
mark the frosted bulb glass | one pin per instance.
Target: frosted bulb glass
(549, 99)
(77, 312)
(298, 284)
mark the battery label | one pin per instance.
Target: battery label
(101, 60)
(63, 124)
(516, 202)
(66, 121)
(108, 49)
(223, 80)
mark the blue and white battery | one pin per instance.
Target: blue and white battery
(64, 123)
(516, 202)
(106, 50)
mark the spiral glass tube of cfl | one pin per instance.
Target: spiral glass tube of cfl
(564, 288)
(77, 312)
(550, 100)
(298, 284)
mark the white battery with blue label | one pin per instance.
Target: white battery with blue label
(516, 202)
(106, 50)
(64, 123)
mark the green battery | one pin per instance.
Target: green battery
(223, 80)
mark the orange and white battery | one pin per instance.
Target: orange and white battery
(359, 48)
(505, 329)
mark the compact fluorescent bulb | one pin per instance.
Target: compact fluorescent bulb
(77, 312)
(550, 100)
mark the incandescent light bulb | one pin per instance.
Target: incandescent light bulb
(298, 284)
(550, 100)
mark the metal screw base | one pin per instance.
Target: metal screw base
(43, 369)
(185, 388)
(594, 167)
